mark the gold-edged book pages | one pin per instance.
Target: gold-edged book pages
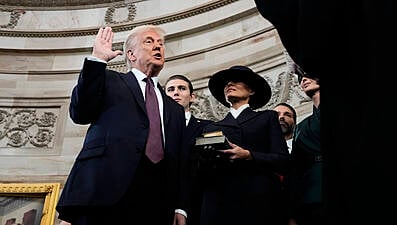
(212, 141)
(212, 134)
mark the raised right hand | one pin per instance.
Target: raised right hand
(102, 48)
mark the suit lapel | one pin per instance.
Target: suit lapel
(246, 115)
(133, 85)
(192, 127)
(166, 111)
(228, 121)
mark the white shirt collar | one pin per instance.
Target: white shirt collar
(236, 112)
(140, 76)
(142, 84)
(289, 144)
(188, 115)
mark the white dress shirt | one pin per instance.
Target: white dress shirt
(188, 115)
(289, 143)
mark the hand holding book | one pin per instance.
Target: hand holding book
(212, 144)
(215, 144)
(237, 152)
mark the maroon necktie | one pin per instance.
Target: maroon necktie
(154, 144)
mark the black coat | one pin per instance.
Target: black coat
(194, 129)
(246, 191)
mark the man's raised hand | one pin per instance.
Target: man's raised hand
(102, 48)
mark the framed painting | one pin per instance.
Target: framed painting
(28, 203)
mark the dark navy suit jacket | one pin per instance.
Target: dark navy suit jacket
(194, 129)
(113, 104)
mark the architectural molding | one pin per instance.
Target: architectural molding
(56, 4)
(119, 26)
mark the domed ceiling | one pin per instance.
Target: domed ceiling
(55, 3)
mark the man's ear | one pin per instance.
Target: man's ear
(131, 55)
(192, 97)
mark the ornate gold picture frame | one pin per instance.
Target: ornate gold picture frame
(28, 203)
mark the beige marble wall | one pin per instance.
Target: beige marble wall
(41, 54)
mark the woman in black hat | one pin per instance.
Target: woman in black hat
(241, 185)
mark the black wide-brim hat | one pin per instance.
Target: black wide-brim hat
(257, 83)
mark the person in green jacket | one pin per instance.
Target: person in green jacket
(307, 160)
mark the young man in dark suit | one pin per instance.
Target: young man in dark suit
(116, 178)
(180, 88)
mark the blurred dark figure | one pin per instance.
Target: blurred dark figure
(346, 43)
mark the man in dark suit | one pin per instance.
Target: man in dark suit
(115, 179)
(180, 88)
(242, 185)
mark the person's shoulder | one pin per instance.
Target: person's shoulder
(267, 112)
(204, 121)
(171, 103)
(201, 121)
(116, 73)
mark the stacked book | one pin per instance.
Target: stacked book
(211, 144)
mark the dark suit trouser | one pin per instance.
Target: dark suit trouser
(144, 203)
(311, 214)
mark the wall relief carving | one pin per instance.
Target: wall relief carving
(14, 15)
(21, 127)
(32, 128)
(110, 12)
